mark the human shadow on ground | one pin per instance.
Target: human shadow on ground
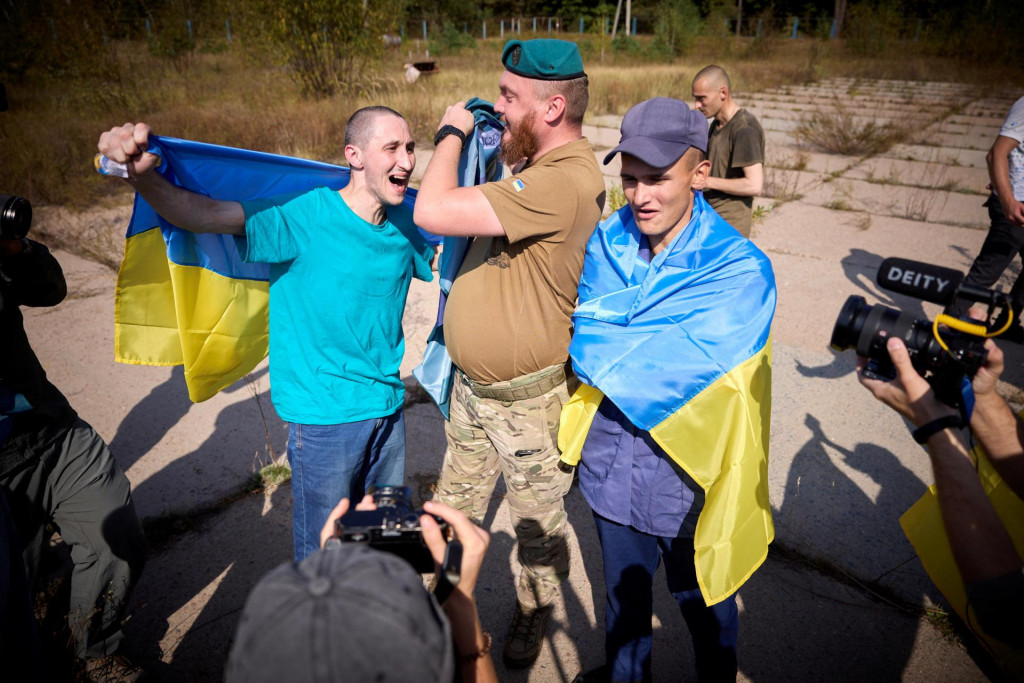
(246, 436)
(216, 567)
(827, 516)
(208, 560)
(154, 416)
(861, 267)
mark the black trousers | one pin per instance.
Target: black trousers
(1003, 243)
(77, 484)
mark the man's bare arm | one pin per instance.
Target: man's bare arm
(981, 545)
(999, 175)
(187, 210)
(750, 185)
(444, 208)
(999, 431)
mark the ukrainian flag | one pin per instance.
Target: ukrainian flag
(184, 298)
(682, 346)
(478, 164)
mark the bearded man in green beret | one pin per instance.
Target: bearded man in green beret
(506, 321)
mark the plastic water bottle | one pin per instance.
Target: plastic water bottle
(105, 166)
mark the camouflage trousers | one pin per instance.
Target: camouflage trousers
(519, 439)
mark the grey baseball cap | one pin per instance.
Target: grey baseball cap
(658, 131)
(345, 613)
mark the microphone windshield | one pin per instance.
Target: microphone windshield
(919, 280)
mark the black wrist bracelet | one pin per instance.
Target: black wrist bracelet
(447, 130)
(922, 433)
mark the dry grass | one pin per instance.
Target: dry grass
(781, 184)
(839, 131)
(97, 235)
(48, 137)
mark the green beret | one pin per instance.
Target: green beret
(544, 59)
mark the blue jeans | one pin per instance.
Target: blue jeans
(630, 560)
(331, 462)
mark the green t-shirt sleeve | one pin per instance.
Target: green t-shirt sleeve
(747, 148)
(276, 228)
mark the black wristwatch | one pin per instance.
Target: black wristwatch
(446, 130)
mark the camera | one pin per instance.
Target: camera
(945, 355)
(393, 527)
(15, 217)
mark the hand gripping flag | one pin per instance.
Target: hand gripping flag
(682, 346)
(185, 298)
(478, 164)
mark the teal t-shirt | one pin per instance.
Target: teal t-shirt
(338, 286)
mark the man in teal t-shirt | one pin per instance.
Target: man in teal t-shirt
(340, 267)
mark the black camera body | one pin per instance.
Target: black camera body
(945, 361)
(15, 217)
(393, 527)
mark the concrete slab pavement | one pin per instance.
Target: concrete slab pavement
(842, 469)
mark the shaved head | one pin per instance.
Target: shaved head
(713, 76)
(359, 128)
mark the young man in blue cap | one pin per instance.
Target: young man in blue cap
(672, 345)
(506, 321)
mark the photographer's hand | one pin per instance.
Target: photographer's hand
(339, 510)
(981, 546)
(471, 642)
(998, 429)
(909, 394)
(985, 380)
(474, 541)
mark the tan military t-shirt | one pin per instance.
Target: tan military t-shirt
(731, 148)
(508, 311)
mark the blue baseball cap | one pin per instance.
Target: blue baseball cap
(660, 130)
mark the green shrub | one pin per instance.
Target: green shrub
(616, 199)
(872, 30)
(451, 41)
(627, 45)
(328, 44)
(680, 23)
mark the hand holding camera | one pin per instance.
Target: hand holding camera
(943, 351)
(436, 537)
(474, 541)
(909, 394)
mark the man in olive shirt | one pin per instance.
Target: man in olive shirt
(506, 320)
(735, 149)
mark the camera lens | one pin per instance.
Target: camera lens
(867, 328)
(387, 496)
(15, 217)
(849, 323)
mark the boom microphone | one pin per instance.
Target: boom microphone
(919, 280)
